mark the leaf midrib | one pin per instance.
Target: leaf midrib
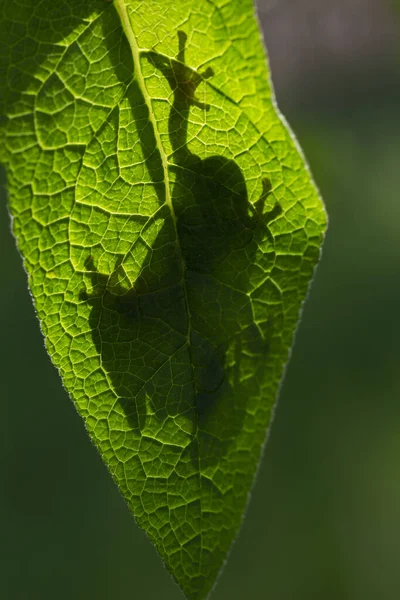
(130, 35)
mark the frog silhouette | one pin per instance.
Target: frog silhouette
(173, 343)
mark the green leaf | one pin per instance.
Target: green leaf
(170, 229)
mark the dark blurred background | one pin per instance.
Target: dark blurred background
(324, 521)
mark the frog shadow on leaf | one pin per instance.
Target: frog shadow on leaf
(174, 343)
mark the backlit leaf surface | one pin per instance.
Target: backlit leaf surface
(170, 230)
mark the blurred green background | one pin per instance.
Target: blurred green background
(324, 521)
